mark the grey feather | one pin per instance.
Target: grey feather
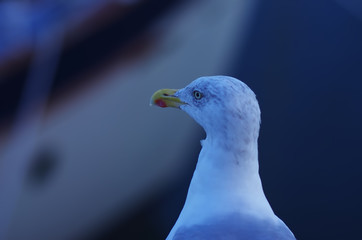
(225, 198)
(235, 227)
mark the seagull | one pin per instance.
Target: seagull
(225, 199)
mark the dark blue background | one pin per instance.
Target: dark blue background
(307, 59)
(302, 58)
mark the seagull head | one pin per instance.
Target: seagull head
(224, 106)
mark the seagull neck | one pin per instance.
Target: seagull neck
(228, 156)
(223, 176)
(237, 146)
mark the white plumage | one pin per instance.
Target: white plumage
(225, 198)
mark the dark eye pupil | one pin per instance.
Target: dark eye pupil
(197, 95)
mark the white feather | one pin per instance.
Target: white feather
(226, 186)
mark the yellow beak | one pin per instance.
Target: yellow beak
(166, 98)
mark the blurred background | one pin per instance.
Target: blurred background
(83, 156)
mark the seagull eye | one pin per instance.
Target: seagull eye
(197, 95)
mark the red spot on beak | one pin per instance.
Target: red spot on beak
(160, 103)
